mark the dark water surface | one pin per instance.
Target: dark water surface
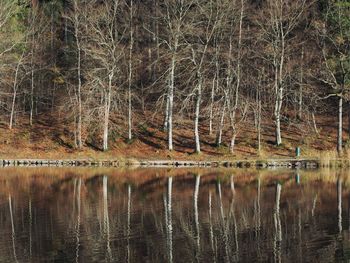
(85, 215)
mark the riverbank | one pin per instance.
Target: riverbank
(308, 163)
(50, 144)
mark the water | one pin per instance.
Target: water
(84, 215)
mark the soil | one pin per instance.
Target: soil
(50, 137)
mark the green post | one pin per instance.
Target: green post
(297, 151)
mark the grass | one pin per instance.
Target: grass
(54, 140)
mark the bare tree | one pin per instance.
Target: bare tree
(199, 53)
(280, 20)
(131, 12)
(233, 98)
(176, 12)
(77, 25)
(104, 48)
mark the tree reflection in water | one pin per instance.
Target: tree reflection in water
(49, 215)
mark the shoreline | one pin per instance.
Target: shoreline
(308, 163)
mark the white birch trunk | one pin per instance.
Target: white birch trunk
(32, 80)
(259, 122)
(339, 201)
(315, 124)
(300, 100)
(340, 125)
(171, 103)
(196, 216)
(78, 91)
(130, 73)
(212, 94)
(235, 105)
(221, 124)
(166, 117)
(196, 121)
(233, 141)
(107, 111)
(14, 96)
(215, 85)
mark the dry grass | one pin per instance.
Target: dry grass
(48, 139)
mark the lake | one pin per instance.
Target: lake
(160, 215)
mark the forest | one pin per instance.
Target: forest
(100, 73)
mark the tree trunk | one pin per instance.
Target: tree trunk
(278, 129)
(32, 81)
(31, 98)
(259, 123)
(340, 126)
(300, 100)
(14, 94)
(211, 107)
(215, 85)
(349, 120)
(315, 124)
(107, 111)
(130, 72)
(196, 121)
(78, 90)
(166, 117)
(171, 101)
(221, 125)
(13, 108)
(233, 141)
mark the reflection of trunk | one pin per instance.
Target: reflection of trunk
(77, 227)
(168, 220)
(211, 233)
(13, 230)
(224, 230)
(129, 217)
(297, 177)
(277, 222)
(258, 210)
(339, 202)
(235, 230)
(258, 217)
(196, 218)
(314, 206)
(300, 242)
(232, 184)
(106, 216)
(30, 228)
